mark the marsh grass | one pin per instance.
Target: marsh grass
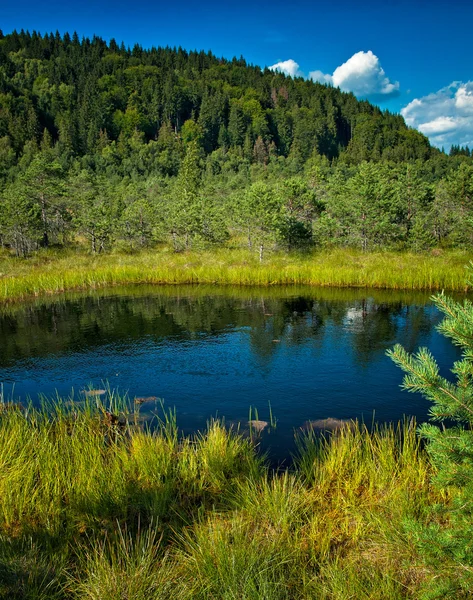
(53, 272)
(90, 509)
(130, 566)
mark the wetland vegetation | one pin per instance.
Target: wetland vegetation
(97, 504)
(151, 166)
(109, 150)
(52, 273)
(91, 509)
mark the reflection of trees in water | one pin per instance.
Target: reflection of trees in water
(375, 328)
(292, 321)
(68, 326)
(379, 326)
(418, 323)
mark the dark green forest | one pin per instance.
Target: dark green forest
(108, 147)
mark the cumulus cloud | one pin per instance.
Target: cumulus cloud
(464, 99)
(320, 76)
(361, 74)
(446, 116)
(439, 125)
(289, 67)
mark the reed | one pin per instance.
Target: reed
(95, 507)
(53, 273)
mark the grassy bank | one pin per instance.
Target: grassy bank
(95, 509)
(52, 272)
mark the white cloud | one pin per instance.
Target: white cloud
(446, 116)
(361, 74)
(438, 126)
(320, 77)
(289, 67)
(464, 99)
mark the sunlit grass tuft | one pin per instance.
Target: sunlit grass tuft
(129, 566)
(228, 558)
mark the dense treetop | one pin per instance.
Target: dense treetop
(131, 147)
(81, 91)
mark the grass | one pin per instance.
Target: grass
(52, 272)
(92, 509)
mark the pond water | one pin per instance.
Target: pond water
(302, 353)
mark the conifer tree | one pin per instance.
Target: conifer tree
(38, 192)
(448, 542)
(182, 211)
(261, 212)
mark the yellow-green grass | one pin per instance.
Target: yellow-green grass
(93, 510)
(52, 272)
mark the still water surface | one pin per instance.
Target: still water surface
(212, 352)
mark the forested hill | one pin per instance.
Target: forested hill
(83, 92)
(105, 147)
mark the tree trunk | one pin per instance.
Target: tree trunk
(45, 240)
(142, 237)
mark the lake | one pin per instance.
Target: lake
(300, 353)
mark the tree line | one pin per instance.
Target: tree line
(119, 147)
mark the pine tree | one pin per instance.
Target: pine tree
(236, 125)
(448, 542)
(137, 216)
(95, 214)
(183, 209)
(260, 212)
(42, 189)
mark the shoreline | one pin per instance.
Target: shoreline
(54, 273)
(94, 508)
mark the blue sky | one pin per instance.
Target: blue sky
(413, 57)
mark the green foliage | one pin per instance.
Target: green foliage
(261, 211)
(94, 209)
(35, 210)
(138, 217)
(194, 136)
(299, 210)
(187, 216)
(451, 448)
(76, 91)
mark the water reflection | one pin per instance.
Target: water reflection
(311, 353)
(83, 322)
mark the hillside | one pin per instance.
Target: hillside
(108, 147)
(83, 92)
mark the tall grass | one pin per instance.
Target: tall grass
(94, 507)
(130, 567)
(52, 273)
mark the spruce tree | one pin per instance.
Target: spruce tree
(447, 543)
(182, 211)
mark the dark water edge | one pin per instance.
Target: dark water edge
(301, 353)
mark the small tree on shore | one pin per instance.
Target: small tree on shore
(448, 540)
(261, 211)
